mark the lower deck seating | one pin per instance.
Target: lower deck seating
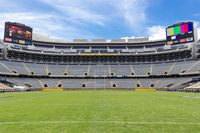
(99, 70)
(35, 83)
(77, 73)
(4, 87)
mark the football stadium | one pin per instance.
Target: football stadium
(120, 85)
(99, 64)
(97, 85)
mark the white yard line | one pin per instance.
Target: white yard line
(97, 122)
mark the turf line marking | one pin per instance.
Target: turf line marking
(98, 122)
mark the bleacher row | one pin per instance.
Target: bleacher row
(9, 67)
(36, 83)
(186, 67)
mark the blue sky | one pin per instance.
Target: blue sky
(109, 19)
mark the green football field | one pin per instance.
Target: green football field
(100, 112)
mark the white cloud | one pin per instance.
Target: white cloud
(156, 32)
(197, 25)
(77, 11)
(130, 37)
(133, 11)
(198, 32)
(47, 24)
(153, 33)
(76, 18)
(130, 12)
(40, 22)
(133, 37)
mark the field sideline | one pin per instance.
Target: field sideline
(99, 112)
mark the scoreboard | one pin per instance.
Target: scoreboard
(17, 33)
(180, 33)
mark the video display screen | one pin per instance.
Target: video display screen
(18, 33)
(180, 33)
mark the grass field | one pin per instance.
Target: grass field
(99, 112)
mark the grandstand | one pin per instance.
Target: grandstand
(100, 64)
